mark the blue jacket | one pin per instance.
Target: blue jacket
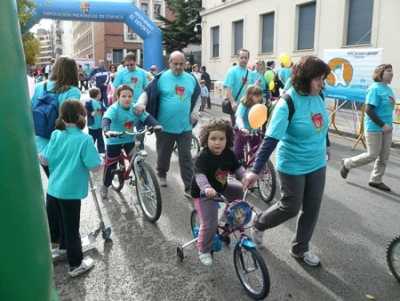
(102, 76)
(153, 100)
(89, 110)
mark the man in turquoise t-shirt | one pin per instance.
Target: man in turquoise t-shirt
(237, 77)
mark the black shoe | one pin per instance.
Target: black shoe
(380, 186)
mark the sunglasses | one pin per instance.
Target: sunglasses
(130, 65)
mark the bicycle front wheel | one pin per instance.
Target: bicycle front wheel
(393, 257)
(195, 147)
(148, 191)
(252, 271)
(267, 182)
(118, 180)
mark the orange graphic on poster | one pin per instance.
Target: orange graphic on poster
(341, 72)
(396, 112)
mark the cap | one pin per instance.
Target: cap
(154, 67)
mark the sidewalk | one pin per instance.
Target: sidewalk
(346, 122)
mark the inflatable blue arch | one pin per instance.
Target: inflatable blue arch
(108, 11)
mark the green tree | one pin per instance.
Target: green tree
(178, 33)
(30, 43)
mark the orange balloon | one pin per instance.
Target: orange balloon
(257, 115)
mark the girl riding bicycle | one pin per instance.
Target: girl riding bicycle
(252, 96)
(211, 168)
(120, 117)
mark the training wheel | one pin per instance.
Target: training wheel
(106, 233)
(179, 253)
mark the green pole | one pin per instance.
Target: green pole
(25, 265)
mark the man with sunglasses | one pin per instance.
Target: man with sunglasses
(102, 80)
(136, 78)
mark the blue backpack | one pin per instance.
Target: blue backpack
(45, 113)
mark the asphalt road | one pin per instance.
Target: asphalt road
(356, 223)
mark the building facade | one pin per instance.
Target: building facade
(46, 49)
(298, 28)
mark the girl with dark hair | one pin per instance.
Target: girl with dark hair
(211, 168)
(70, 155)
(302, 151)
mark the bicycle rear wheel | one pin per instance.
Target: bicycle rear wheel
(267, 182)
(393, 257)
(194, 148)
(118, 180)
(194, 221)
(148, 191)
(252, 271)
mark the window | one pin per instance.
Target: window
(215, 41)
(267, 34)
(157, 9)
(360, 22)
(117, 56)
(238, 36)
(145, 8)
(306, 28)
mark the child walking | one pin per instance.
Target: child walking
(252, 96)
(204, 93)
(95, 110)
(120, 117)
(70, 155)
(211, 168)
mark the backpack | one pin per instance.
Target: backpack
(45, 113)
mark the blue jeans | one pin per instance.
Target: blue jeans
(97, 135)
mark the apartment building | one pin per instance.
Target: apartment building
(46, 50)
(297, 27)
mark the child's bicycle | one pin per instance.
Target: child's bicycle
(266, 182)
(393, 257)
(194, 148)
(142, 176)
(249, 265)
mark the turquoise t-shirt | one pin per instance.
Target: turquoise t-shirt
(70, 155)
(234, 79)
(302, 142)
(382, 97)
(122, 120)
(244, 112)
(175, 94)
(137, 79)
(73, 92)
(259, 80)
(97, 116)
(284, 74)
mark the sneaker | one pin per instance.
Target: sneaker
(380, 186)
(143, 153)
(187, 193)
(162, 182)
(103, 191)
(59, 254)
(102, 155)
(344, 171)
(206, 258)
(85, 266)
(257, 236)
(308, 258)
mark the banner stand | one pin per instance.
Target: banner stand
(333, 116)
(361, 133)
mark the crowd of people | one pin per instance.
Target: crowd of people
(171, 100)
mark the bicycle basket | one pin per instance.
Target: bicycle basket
(239, 213)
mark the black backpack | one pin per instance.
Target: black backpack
(45, 112)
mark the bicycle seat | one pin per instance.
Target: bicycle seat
(238, 213)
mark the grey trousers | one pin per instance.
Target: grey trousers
(301, 193)
(165, 145)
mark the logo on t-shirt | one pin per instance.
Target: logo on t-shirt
(180, 91)
(220, 176)
(134, 81)
(318, 121)
(99, 111)
(128, 126)
(392, 101)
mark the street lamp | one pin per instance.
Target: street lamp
(198, 24)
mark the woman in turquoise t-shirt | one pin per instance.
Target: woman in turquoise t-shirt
(302, 150)
(380, 102)
(70, 155)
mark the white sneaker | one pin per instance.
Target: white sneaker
(103, 191)
(308, 257)
(162, 182)
(85, 266)
(102, 155)
(143, 153)
(256, 236)
(58, 254)
(206, 258)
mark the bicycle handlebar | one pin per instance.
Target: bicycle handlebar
(221, 199)
(150, 130)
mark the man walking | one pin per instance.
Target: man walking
(237, 80)
(47, 71)
(172, 99)
(102, 80)
(206, 77)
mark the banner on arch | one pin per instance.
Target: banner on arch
(351, 72)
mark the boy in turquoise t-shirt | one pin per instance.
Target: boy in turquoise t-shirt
(121, 117)
(95, 110)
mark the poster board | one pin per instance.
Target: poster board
(351, 72)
